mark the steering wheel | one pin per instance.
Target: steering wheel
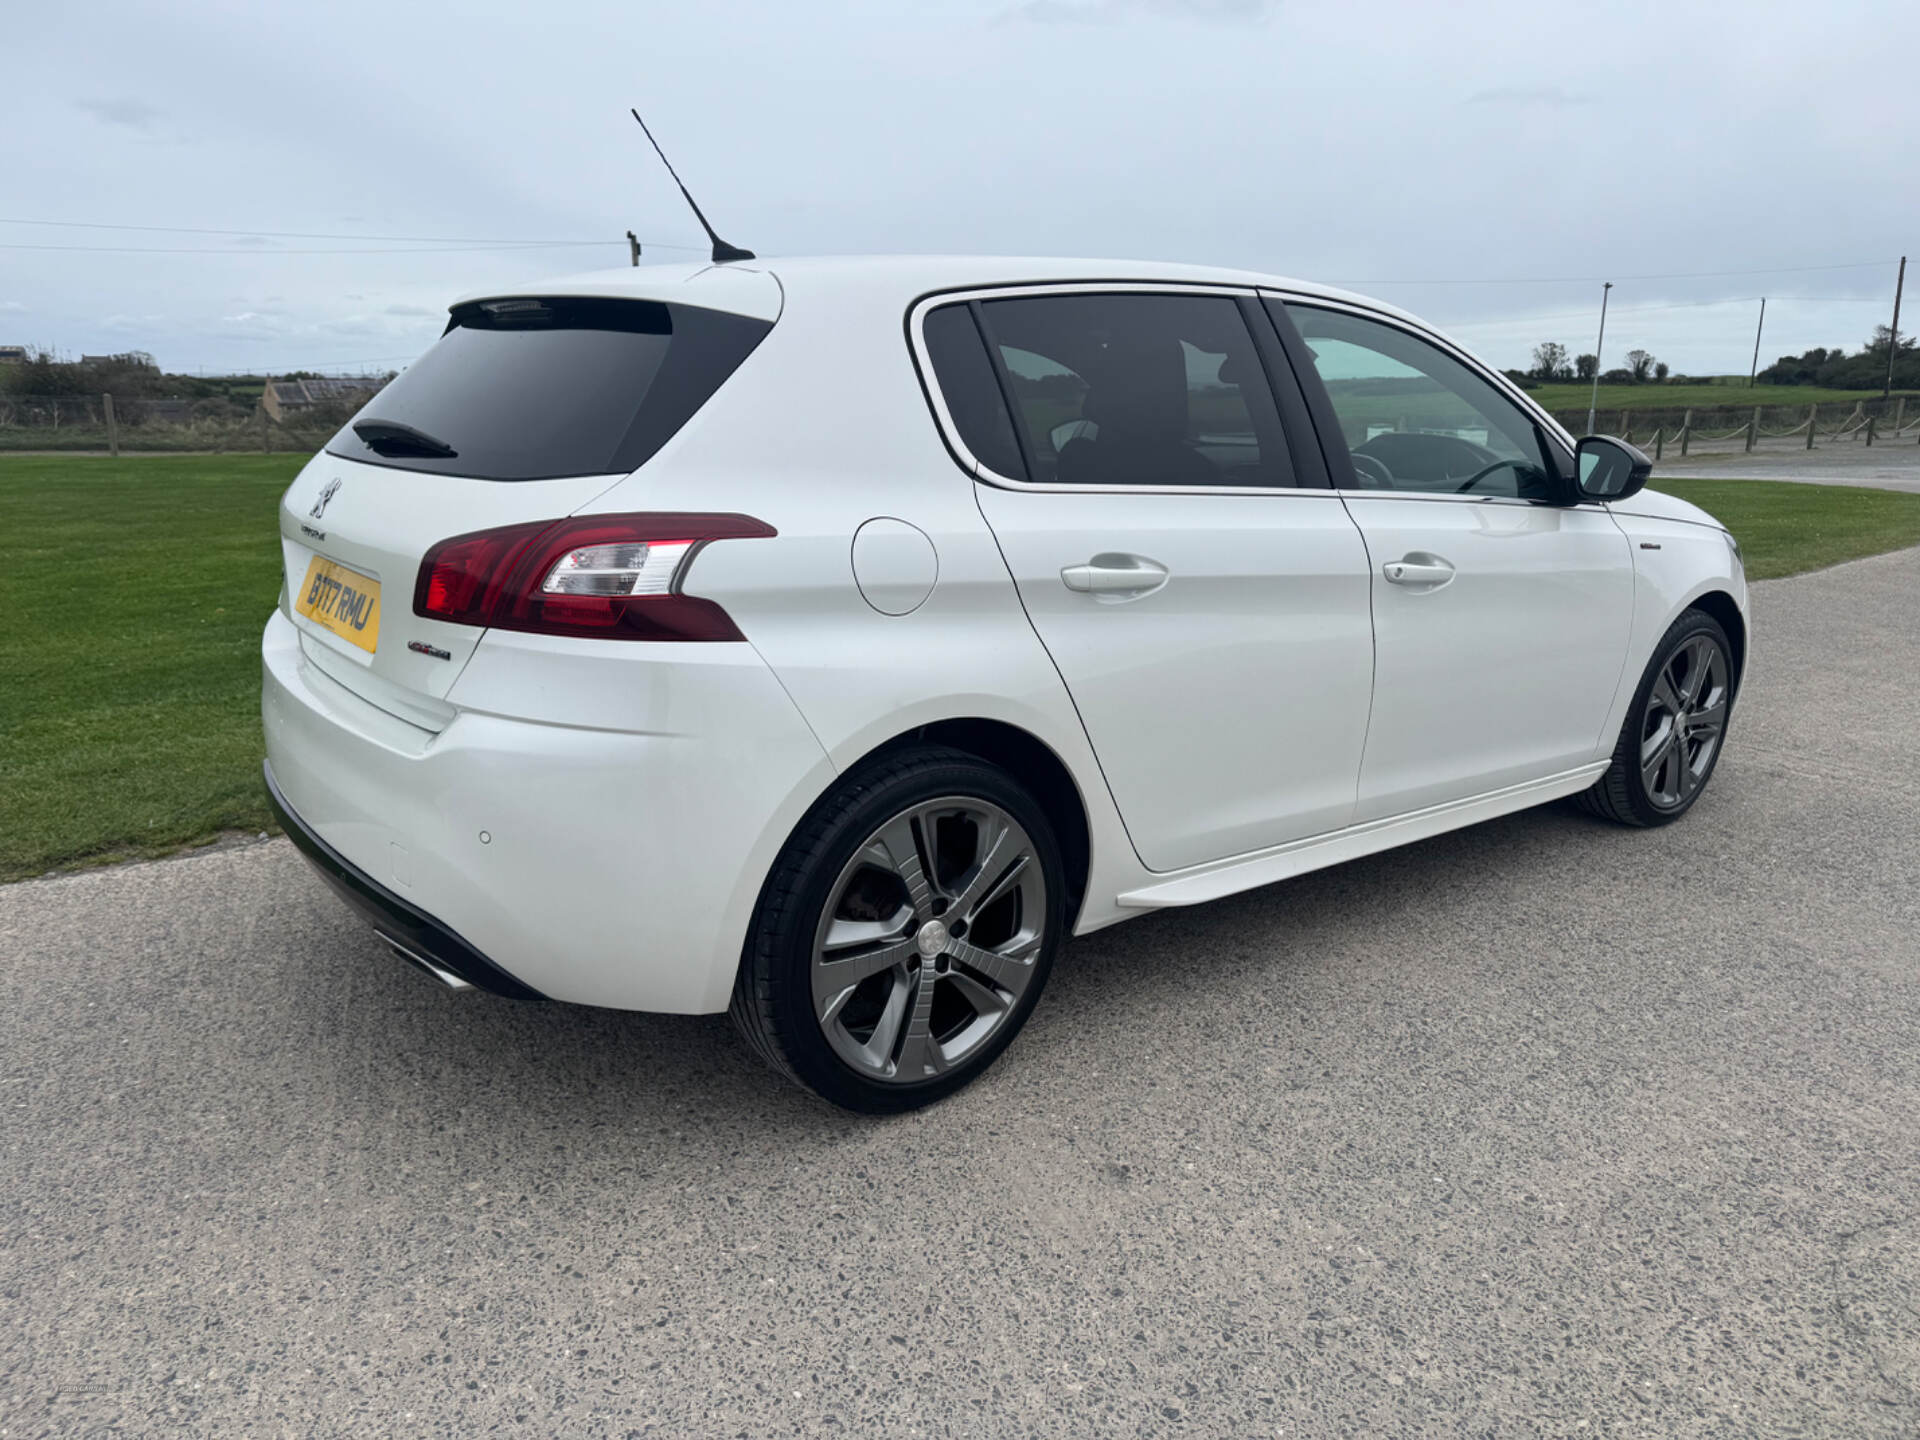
(1372, 472)
(1485, 470)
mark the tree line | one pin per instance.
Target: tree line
(1841, 371)
(1552, 365)
(1835, 369)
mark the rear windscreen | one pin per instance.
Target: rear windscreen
(536, 389)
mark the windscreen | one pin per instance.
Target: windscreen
(543, 387)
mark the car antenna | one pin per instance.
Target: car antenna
(722, 251)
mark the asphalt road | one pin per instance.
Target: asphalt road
(1544, 1128)
(1882, 467)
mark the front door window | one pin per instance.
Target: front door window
(1416, 419)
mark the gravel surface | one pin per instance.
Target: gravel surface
(1543, 1128)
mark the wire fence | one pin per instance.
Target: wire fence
(218, 424)
(113, 423)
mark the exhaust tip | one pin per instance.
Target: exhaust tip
(420, 962)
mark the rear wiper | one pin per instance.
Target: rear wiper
(390, 437)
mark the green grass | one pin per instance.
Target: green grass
(133, 592)
(1785, 528)
(1701, 397)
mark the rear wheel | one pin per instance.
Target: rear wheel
(905, 933)
(1674, 729)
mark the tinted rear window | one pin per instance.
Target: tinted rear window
(535, 389)
(971, 390)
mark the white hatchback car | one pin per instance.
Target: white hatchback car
(827, 639)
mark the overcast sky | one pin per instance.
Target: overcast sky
(1416, 151)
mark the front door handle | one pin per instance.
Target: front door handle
(1115, 577)
(1418, 570)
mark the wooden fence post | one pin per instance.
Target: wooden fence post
(1753, 429)
(1659, 439)
(1686, 431)
(1813, 421)
(113, 428)
(1899, 416)
(1869, 430)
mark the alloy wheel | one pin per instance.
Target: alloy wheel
(928, 939)
(1685, 718)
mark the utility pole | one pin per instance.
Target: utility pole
(1893, 332)
(1753, 375)
(633, 247)
(1599, 350)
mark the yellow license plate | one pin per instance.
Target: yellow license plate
(343, 601)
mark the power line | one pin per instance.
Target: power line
(323, 234)
(362, 250)
(1597, 279)
(470, 242)
(1675, 305)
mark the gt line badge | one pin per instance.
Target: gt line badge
(420, 647)
(331, 489)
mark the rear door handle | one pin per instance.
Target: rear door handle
(1115, 576)
(1419, 570)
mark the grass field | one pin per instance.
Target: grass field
(1701, 397)
(1785, 528)
(134, 591)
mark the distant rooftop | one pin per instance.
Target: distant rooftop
(282, 397)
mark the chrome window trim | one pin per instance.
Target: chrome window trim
(1501, 384)
(950, 432)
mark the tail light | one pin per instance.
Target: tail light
(611, 577)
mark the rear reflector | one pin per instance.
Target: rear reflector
(611, 577)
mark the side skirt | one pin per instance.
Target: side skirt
(1283, 862)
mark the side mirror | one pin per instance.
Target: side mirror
(1609, 469)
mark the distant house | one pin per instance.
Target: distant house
(13, 354)
(282, 398)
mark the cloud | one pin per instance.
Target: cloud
(137, 324)
(11, 307)
(1549, 95)
(1109, 12)
(412, 310)
(132, 114)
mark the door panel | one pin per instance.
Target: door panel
(1226, 699)
(1501, 610)
(1503, 672)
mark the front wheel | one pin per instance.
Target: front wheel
(905, 933)
(1674, 729)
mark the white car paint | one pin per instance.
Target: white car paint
(1193, 695)
(599, 818)
(1499, 675)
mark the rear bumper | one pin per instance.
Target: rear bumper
(416, 935)
(593, 824)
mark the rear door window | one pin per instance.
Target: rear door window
(540, 388)
(1138, 389)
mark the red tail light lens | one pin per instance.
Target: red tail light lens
(611, 577)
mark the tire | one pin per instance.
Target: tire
(1675, 728)
(851, 981)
